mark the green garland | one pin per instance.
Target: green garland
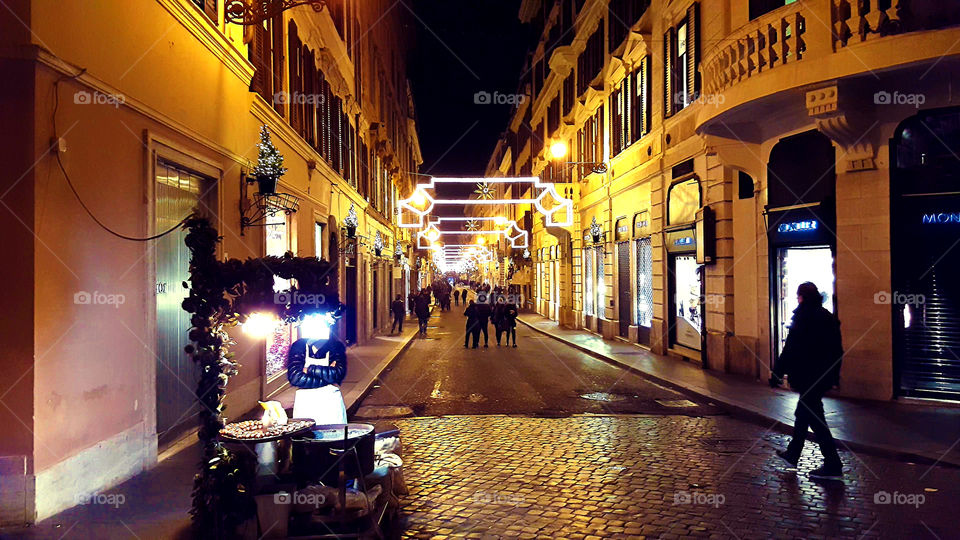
(221, 296)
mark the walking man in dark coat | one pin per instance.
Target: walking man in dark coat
(473, 327)
(398, 313)
(422, 310)
(811, 361)
(484, 311)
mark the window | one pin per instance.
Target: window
(590, 139)
(682, 54)
(277, 243)
(318, 240)
(266, 55)
(760, 7)
(590, 61)
(630, 108)
(208, 7)
(622, 15)
(683, 201)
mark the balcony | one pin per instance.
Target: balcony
(763, 68)
(768, 42)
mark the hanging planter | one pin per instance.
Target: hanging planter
(595, 231)
(269, 167)
(378, 244)
(351, 222)
(266, 184)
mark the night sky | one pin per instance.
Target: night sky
(463, 47)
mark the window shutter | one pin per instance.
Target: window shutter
(259, 82)
(210, 10)
(693, 50)
(668, 38)
(626, 120)
(644, 88)
(293, 43)
(276, 71)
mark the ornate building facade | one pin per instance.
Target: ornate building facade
(133, 115)
(722, 152)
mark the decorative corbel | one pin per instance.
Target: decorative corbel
(845, 126)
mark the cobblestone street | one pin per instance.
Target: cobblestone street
(622, 469)
(658, 477)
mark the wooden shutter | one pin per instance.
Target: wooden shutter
(276, 65)
(293, 43)
(306, 65)
(260, 81)
(643, 87)
(210, 10)
(693, 51)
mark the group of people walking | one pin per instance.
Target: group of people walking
(502, 313)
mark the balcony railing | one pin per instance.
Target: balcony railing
(856, 22)
(772, 40)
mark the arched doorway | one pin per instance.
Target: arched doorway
(801, 225)
(925, 253)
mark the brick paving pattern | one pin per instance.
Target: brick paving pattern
(587, 477)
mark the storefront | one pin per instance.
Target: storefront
(621, 232)
(925, 255)
(801, 224)
(643, 291)
(685, 274)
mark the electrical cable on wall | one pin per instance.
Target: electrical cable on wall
(56, 106)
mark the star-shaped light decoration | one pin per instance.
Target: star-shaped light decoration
(484, 191)
(472, 224)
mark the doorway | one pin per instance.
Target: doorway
(177, 192)
(686, 310)
(624, 296)
(793, 266)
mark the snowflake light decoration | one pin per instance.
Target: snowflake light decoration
(472, 225)
(484, 191)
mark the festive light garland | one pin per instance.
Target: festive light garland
(518, 237)
(412, 210)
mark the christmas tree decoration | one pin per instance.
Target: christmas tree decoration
(595, 230)
(377, 243)
(269, 166)
(351, 221)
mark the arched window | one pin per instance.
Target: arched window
(683, 201)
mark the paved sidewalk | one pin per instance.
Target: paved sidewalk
(156, 502)
(930, 432)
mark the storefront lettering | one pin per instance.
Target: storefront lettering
(798, 226)
(942, 217)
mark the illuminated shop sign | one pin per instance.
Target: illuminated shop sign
(798, 226)
(684, 241)
(942, 217)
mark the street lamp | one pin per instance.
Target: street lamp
(559, 150)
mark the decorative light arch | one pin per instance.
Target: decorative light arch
(412, 210)
(518, 238)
